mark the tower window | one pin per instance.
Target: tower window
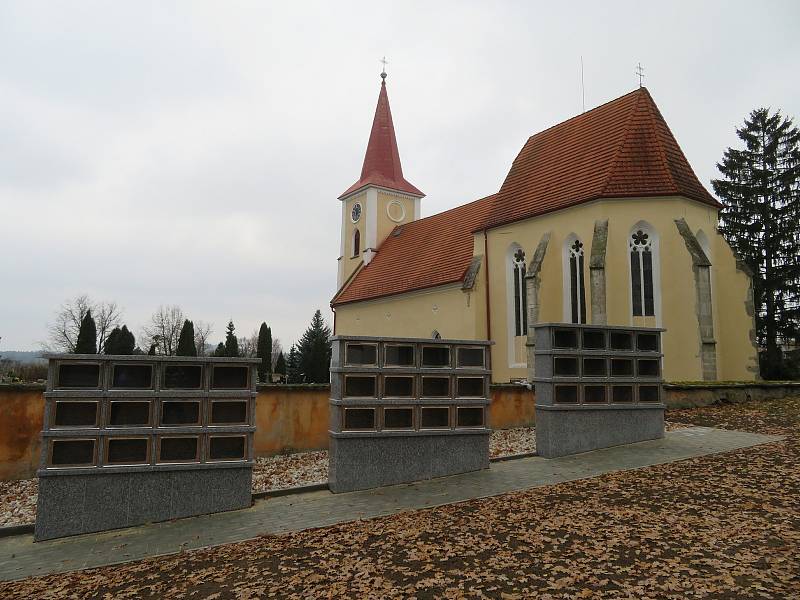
(640, 246)
(356, 243)
(520, 294)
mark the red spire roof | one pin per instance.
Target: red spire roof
(382, 161)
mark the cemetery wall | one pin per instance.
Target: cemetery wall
(295, 417)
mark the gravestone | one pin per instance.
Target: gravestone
(406, 409)
(596, 386)
(129, 440)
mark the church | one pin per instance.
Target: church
(600, 220)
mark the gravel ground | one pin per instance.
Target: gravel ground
(18, 498)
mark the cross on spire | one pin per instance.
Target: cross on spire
(640, 73)
(383, 71)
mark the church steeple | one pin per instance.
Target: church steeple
(382, 161)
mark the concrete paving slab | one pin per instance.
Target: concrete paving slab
(20, 557)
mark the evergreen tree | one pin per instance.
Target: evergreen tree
(231, 343)
(153, 349)
(220, 350)
(761, 221)
(293, 374)
(186, 345)
(314, 349)
(120, 341)
(87, 336)
(264, 352)
(280, 365)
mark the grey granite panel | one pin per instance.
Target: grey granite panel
(60, 507)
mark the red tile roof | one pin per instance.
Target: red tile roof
(433, 251)
(382, 160)
(621, 149)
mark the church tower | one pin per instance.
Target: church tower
(380, 200)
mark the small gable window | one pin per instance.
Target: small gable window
(520, 294)
(640, 246)
(356, 243)
(575, 286)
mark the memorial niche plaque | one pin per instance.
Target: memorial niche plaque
(359, 418)
(470, 387)
(226, 447)
(133, 376)
(228, 412)
(178, 449)
(566, 394)
(594, 339)
(75, 414)
(362, 354)
(648, 367)
(183, 377)
(398, 418)
(621, 367)
(594, 367)
(436, 387)
(565, 338)
(230, 378)
(399, 355)
(565, 366)
(647, 342)
(621, 340)
(127, 451)
(78, 376)
(129, 413)
(649, 393)
(398, 386)
(180, 412)
(469, 416)
(470, 357)
(72, 453)
(435, 356)
(359, 387)
(594, 394)
(435, 417)
(622, 394)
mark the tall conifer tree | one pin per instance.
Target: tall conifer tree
(120, 341)
(231, 343)
(186, 345)
(293, 374)
(761, 220)
(280, 365)
(87, 336)
(314, 349)
(264, 352)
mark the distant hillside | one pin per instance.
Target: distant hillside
(33, 356)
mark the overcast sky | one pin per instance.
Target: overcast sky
(191, 153)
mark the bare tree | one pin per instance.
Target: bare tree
(277, 348)
(164, 330)
(202, 331)
(248, 346)
(64, 329)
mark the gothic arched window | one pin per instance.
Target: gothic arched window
(356, 243)
(520, 294)
(576, 287)
(640, 247)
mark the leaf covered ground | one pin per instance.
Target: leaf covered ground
(724, 526)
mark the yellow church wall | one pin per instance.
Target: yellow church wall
(677, 298)
(454, 313)
(348, 263)
(386, 214)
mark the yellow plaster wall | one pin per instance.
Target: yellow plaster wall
(350, 262)
(385, 224)
(678, 299)
(454, 313)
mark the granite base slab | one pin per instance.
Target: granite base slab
(73, 504)
(560, 432)
(359, 463)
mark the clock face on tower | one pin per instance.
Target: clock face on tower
(355, 214)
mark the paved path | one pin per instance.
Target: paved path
(20, 557)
